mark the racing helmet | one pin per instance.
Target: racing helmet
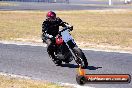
(51, 15)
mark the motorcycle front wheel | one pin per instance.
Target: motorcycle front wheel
(80, 57)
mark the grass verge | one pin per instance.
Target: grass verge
(110, 28)
(6, 4)
(13, 82)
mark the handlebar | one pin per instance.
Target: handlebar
(69, 28)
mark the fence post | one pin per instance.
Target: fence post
(110, 2)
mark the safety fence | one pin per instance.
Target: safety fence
(48, 1)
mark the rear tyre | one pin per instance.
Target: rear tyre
(81, 59)
(57, 62)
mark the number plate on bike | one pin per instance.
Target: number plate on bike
(66, 36)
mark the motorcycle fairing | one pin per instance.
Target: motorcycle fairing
(68, 38)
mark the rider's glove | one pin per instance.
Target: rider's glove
(69, 27)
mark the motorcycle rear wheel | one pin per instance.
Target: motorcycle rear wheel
(57, 62)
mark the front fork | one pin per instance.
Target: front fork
(71, 44)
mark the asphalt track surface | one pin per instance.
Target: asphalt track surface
(33, 61)
(73, 5)
(47, 6)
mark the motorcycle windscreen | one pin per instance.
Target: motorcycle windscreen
(66, 36)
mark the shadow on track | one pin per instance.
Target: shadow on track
(69, 65)
(76, 66)
(93, 68)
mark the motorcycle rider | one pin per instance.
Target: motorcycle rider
(50, 28)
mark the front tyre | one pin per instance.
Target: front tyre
(80, 57)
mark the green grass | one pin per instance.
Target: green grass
(98, 27)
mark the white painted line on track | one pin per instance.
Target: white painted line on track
(23, 43)
(44, 45)
(15, 76)
(75, 85)
(29, 78)
(107, 50)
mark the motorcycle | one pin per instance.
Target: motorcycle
(67, 50)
